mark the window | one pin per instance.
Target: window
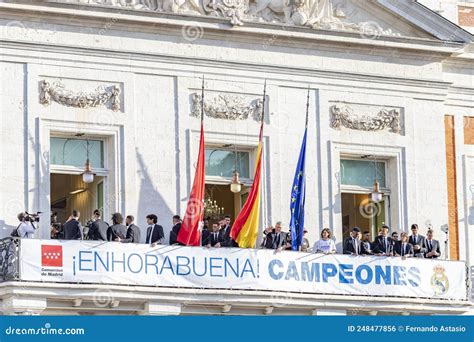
(221, 162)
(73, 152)
(362, 173)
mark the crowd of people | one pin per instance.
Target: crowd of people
(218, 235)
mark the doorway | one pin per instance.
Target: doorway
(229, 203)
(358, 210)
(69, 192)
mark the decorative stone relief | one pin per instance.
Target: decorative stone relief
(343, 115)
(317, 14)
(234, 10)
(228, 107)
(57, 92)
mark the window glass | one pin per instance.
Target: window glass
(362, 172)
(221, 163)
(73, 152)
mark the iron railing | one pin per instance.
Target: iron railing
(9, 259)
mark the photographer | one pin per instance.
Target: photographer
(26, 228)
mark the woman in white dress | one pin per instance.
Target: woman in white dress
(325, 245)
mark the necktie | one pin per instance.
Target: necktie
(385, 244)
(403, 249)
(277, 241)
(354, 242)
(429, 246)
(148, 235)
(415, 238)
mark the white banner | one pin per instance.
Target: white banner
(233, 268)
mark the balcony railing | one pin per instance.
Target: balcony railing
(9, 259)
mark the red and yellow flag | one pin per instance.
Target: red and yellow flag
(245, 228)
(190, 231)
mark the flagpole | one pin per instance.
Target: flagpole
(263, 108)
(202, 123)
(202, 100)
(307, 108)
(263, 193)
(306, 128)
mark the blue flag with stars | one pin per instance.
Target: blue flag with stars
(298, 199)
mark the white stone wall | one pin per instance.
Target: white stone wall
(154, 140)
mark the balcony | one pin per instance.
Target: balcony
(91, 277)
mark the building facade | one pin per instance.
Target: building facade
(119, 82)
(459, 12)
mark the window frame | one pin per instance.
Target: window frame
(345, 188)
(220, 180)
(77, 170)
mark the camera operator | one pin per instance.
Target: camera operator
(26, 228)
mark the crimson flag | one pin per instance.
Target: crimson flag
(190, 231)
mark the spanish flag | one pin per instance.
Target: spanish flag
(245, 228)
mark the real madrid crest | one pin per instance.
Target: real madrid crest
(439, 281)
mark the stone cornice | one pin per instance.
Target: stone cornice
(217, 27)
(428, 86)
(428, 20)
(238, 298)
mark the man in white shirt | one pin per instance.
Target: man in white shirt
(25, 230)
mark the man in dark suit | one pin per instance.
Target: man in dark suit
(98, 228)
(403, 248)
(225, 229)
(133, 231)
(431, 246)
(276, 239)
(216, 237)
(154, 232)
(383, 244)
(117, 230)
(73, 228)
(418, 241)
(353, 245)
(366, 245)
(205, 232)
(175, 230)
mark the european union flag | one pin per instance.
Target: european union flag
(298, 199)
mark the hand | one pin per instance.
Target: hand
(153, 244)
(217, 245)
(417, 247)
(118, 239)
(208, 245)
(404, 257)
